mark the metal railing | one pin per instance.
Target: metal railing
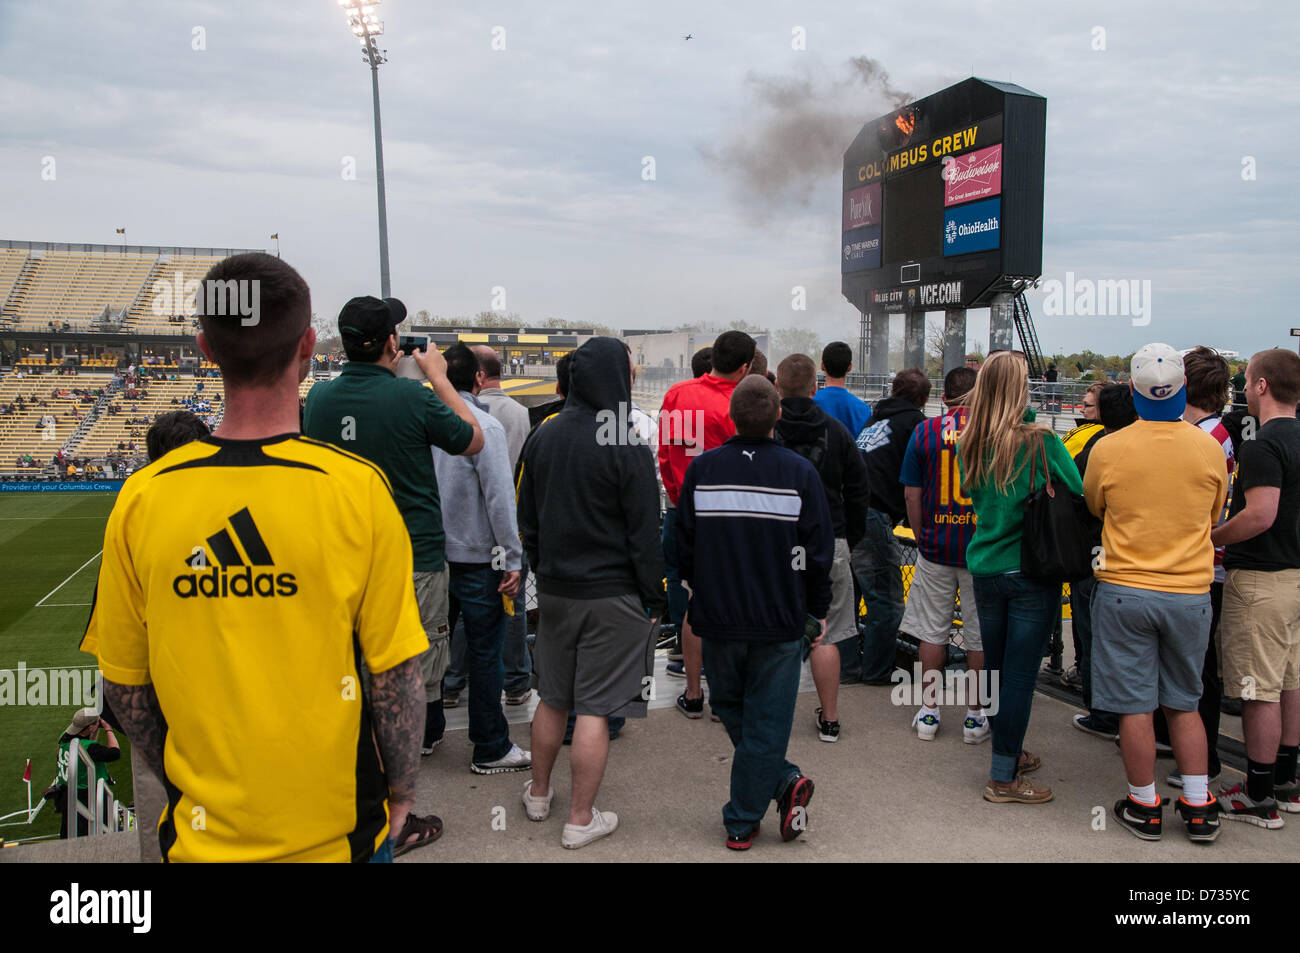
(105, 814)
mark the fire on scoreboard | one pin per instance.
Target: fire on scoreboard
(943, 200)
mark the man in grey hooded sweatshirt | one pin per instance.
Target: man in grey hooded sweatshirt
(589, 518)
(483, 554)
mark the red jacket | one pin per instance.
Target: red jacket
(695, 416)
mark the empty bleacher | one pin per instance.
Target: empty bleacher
(11, 265)
(73, 288)
(151, 312)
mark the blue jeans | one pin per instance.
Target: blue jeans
(875, 563)
(518, 662)
(472, 595)
(384, 855)
(676, 594)
(1015, 622)
(752, 688)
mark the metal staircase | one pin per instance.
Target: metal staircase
(1028, 336)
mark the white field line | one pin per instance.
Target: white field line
(65, 582)
(7, 518)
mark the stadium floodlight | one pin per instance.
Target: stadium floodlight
(365, 24)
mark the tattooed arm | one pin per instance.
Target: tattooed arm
(397, 702)
(136, 707)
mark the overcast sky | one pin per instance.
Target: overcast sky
(522, 168)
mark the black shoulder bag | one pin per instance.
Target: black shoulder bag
(1058, 538)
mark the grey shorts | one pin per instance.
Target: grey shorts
(1148, 648)
(431, 595)
(842, 619)
(594, 656)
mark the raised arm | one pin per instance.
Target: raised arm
(434, 366)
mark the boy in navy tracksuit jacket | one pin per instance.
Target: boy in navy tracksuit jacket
(755, 548)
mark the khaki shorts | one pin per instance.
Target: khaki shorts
(842, 618)
(1259, 634)
(930, 604)
(431, 594)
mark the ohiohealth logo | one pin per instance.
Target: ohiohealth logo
(950, 232)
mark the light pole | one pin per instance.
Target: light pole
(366, 25)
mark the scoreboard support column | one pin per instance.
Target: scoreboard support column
(914, 339)
(954, 339)
(1000, 323)
(878, 345)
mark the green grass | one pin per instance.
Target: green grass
(44, 540)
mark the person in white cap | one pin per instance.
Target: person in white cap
(1159, 486)
(83, 731)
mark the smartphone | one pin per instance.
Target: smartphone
(407, 343)
(812, 630)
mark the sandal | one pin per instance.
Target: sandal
(1028, 762)
(420, 830)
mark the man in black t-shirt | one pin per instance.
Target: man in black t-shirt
(1259, 632)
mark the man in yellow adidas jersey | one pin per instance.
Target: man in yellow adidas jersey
(232, 622)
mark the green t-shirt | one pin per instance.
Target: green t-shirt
(392, 422)
(65, 762)
(1000, 517)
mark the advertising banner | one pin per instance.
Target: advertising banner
(861, 207)
(861, 249)
(973, 227)
(59, 486)
(975, 175)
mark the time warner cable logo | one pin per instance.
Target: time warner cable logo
(102, 907)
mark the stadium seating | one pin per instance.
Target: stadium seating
(111, 429)
(11, 265)
(22, 434)
(173, 273)
(73, 288)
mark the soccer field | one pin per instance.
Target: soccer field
(49, 559)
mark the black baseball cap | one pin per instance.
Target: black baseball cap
(368, 321)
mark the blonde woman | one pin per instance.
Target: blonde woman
(1016, 614)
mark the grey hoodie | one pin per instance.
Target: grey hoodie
(478, 498)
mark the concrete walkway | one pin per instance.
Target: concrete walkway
(882, 795)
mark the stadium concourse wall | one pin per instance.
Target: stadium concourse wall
(60, 486)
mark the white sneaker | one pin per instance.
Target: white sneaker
(516, 759)
(974, 730)
(600, 826)
(926, 725)
(537, 808)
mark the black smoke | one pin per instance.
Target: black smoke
(800, 126)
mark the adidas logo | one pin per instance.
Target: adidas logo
(225, 580)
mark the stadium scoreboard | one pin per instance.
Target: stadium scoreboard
(943, 200)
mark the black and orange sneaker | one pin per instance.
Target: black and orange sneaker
(792, 805)
(742, 841)
(1142, 820)
(1202, 820)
